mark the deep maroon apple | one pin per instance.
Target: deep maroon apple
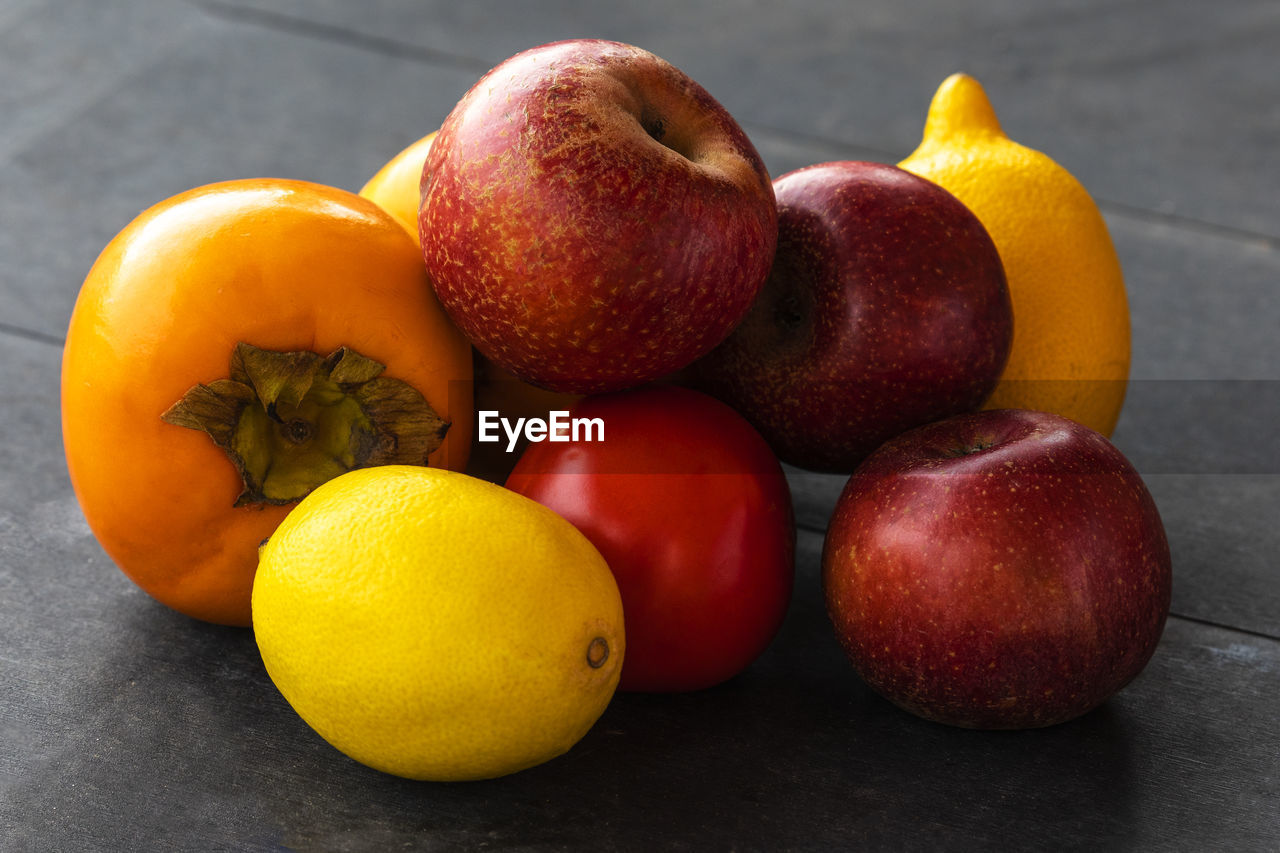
(887, 308)
(592, 218)
(1002, 569)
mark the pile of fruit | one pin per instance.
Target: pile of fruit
(269, 405)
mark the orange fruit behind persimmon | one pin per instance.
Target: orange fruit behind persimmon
(395, 185)
(316, 299)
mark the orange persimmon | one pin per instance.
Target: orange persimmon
(232, 348)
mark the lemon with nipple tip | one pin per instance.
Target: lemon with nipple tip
(1071, 340)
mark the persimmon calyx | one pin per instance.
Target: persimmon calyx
(289, 421)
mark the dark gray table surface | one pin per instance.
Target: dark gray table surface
(124, 726)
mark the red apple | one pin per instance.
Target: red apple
(592, 218)
(1002, 569)
(887, 308)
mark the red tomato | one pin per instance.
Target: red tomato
(691, 510)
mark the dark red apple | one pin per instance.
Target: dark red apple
(592, 218)
(1000, 569)
(887, 308)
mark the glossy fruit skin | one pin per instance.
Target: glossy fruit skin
(1071, 345)
(886, 308)
(282, 265)
(693, 515)
(573, 247)
(1002, 569)
(435, 626)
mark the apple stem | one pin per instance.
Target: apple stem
(976, 446)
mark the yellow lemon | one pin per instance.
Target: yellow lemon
(394, 187)
(436, 626)
(1071, 314)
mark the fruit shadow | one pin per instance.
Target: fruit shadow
(889, 769)
(795, 750)
(168, 728)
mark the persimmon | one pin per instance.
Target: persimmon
(234, 347)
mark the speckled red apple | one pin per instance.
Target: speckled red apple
(887, 308)
(1004, 569)
(592, 218)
